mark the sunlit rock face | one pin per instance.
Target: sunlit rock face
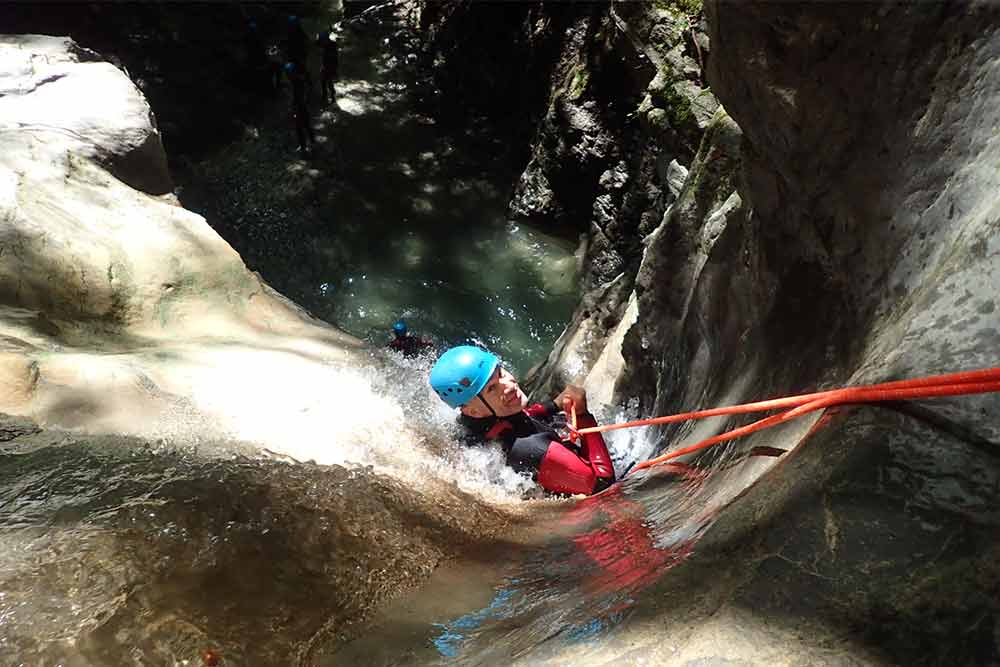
(122, 310)
(52, 85)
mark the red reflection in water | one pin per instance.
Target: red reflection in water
(623, 548)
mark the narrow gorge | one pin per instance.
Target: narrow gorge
(208, 455)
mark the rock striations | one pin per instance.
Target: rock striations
(837, 222)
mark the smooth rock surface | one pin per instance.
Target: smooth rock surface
(120, 311)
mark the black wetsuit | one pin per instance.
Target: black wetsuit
(531, 445)
(300, 109)
(409, 345)
(295, 46)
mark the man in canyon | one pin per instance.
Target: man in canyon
(328, 48)
(295, 44)
(300, 107)
(405, 342)
(493, 407)
(256, 58)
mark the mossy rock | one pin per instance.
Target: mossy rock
(578, 83)
(687, 7)
(657, 120)
(668, 32)
(670, 96)
(701, 103)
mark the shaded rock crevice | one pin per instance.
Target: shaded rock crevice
(614, 112)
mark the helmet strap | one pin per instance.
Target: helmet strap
(488, 406)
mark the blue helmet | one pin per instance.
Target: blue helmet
(289, 67)
(461, 373)
(399, 327)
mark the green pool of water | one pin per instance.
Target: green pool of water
(505, 286)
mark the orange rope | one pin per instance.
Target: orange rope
(954, 384)
(967, 377)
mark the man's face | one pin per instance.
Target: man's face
(502, 393)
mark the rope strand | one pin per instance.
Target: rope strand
(952, 384)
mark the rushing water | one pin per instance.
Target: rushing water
(577, 574)
(115, 552)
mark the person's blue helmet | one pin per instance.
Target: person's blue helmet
(461, 373)
(289, 67)
(399, 327)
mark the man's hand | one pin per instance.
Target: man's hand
(572, 395)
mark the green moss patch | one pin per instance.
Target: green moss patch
(578, 84)
(689, 7)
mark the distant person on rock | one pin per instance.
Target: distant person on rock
(327, 43)
(405, 342)
(493, 407)
(297, 48)
(300, 107)
(275, 67)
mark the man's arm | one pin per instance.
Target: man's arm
(559, 468)
(593, 448)
(562, 470)
(565, 473)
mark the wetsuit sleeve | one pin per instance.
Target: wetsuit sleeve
(595, 451)
(561, 469)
